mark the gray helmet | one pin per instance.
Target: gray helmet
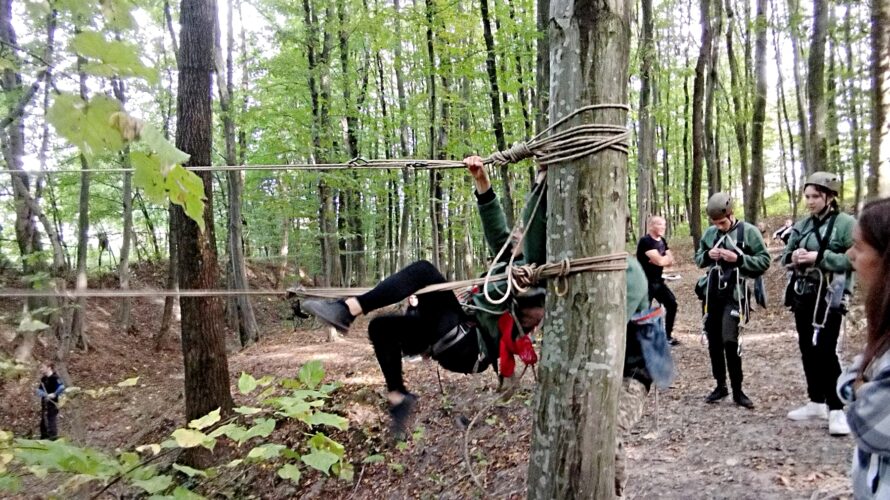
(719, 206)
(825, 180)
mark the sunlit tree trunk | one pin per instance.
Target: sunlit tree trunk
(816, 88)
(755, 194)
(646, 140)
(698, 128)
(879, 162)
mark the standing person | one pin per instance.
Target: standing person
(49, 390)
(733, 252)
(865, 385)
(819, 285)
(460, 342)
(654, 255)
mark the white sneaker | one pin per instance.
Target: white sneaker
(809, 411)
(837, 423)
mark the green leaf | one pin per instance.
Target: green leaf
(10, 484)
(263, 382)
(289, 453)
(117, 14)
(291, 472)
(344, 471)
(234, 431)
(29, 324)
(154, 485)
(320, 460)
(188, 471)
(235, 463)
(322, 418)
(266, 451)
(110, 58)
(86, 124)
(147, 176)
(373, 459)
(261, 429)
(246, 383)
(329, 388)
(205, 421)
(248, 410)
(130, 382)
(153, 448)
(188, 438)
(321, 442)
(312, 373)
(181, 493)
(186, 189)
(167, 154)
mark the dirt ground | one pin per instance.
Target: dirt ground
(682, 448)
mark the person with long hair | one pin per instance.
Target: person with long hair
(865, 385)
(819, 286)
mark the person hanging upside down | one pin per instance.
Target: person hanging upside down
(459, 341)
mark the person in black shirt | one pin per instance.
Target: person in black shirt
(654, 255)
(49, 390)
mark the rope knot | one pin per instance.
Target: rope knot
(518, 152)
(358, 161)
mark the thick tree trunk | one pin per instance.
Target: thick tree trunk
(698, 129)
(646, 140)
(755, 194)
(542, 64)
(203, 340)
(879, 162)
(816, 88)
(573, 440)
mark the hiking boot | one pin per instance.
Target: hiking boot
(742, 400)
(399, 414)
(331, 312)
(717, 394)
(837, 423)
(811, 410)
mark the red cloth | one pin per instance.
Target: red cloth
(522, 346)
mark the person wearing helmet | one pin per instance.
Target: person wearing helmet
(820, 282)
(733, 252)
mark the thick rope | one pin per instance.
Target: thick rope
(526, 275)
(547, 147)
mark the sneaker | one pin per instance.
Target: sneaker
(331, 312)
(809, 411)
(837, 423)
(742, 400)
(399, 414)
(717, 394)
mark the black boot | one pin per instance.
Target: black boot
(717, 394)
(331, 312)
(740, 399)
(400, 413)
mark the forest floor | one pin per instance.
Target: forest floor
(682, 448)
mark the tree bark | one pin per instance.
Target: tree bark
(816, 88)
(698, 131)
(203, 341)
(83, 235)
(712, 156)
(852, 105)
(573, 440)
(124, 264)
(646, 139)
(739, 91)
(542, 64)
(806, 156)
(789, 175)
(755, 194)
(879, 161)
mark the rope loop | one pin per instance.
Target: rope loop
(518, 152)
(358, 162)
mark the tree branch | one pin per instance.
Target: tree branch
(19, 109)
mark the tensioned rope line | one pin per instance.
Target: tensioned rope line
(547, 147)
(525, 275)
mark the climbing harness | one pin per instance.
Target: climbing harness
(723, 284)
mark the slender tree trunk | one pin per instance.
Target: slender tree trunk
(646, 148)
(203, 341)
(816, 88)
(755, 194)
(573, 439)
(740, 112)
(851, 98)
(542, 64)
(790, 176)
(405, 222)
(806, 156)
(712, 156)
(496, 116)
(832, 157)
(879, 162)
(83, 235)
(124, 265)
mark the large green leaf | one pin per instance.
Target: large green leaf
(266, 451)
(167, 153)
(29, 324)
(234, 431)
(10, 484)
(322, 418)
(263, 428)
(86, 124)
(189, 438)
(186, 190)
(320, 460)
(130, 382)
(117, 14)
(246, 383)
(110, 58)
(291, 472)
(321, 442)
(154, 485)
(312, 373)
(181, 493)
(147, 175)
(205, 421)
(188, 471)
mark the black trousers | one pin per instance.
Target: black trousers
(722, 327)
(395, 336)
(820, 364)
(665, 297)
(49, 413)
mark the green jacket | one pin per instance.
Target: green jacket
(806, 235)
(637, 288)
(753, 262)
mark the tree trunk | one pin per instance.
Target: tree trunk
(172, 278)
(646, 140)
(806, 156)
(790, 175)
(203, 341)
(698, 131)
(542, 64)
(816, 88)
(405, 222)
(851, 98)
(83, 235)
(879, 162)
(573, 440)
(755, 194)
(124, 265)
(712, 156)
(739, 91)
